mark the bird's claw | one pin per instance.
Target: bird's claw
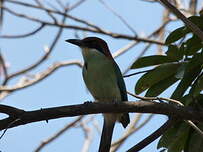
(87, 102)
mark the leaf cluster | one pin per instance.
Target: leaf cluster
(182, 64)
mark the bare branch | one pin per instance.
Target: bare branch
(135, 73)
(119, 16)
(56, 12)
(58, 134)
(24, 35)
(1, 13)
(180, 112)
(137, 57)
(3, 66)
(130, 131)
(48, 12)
(88, 132)
(43, 58)
(124, 49)
(75, 5)
(40, 76)
(101, 31)
(193, 6)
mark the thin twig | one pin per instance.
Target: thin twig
(153, 34)
(3, 66)
(130, 131)
(119, 16)
(135, 73)
(8, 127)
(88, 137)
(193, 6)
(26, 34)
(61, 4)
(124, 49)
(137, 57)
(1, 13)
(101, 31)
(57, 12)
(58, 134)
(40, 76)
(76, 4)
(43, 58)
(48, 12)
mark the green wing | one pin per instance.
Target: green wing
(124, 118)
(121, 83)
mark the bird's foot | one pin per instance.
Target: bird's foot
(87, 102)
(115, 102)
(161, 101)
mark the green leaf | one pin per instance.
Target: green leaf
(192, 70)
(156, 75)
(197, 20)
(181, 70)
(174, 53)
(197, 60)
(197, 87)
(187, 99)
(180, 139)
(192, 45)
(182, 31)
(199, 99)
(150, 61)
(161, 86)
(176, 35)
(184, 84)
(195, 101)
(175, 138)
(195, 143)
(168, 136)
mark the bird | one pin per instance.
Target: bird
(104, 81)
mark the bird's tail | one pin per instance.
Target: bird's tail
(124, 119)
(107, 132)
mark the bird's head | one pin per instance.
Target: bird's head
(92, 44)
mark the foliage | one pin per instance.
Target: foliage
(182, 65)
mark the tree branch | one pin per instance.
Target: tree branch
(93, 30)
(185, 113)
(195, 29)
(24, 35)
(133, 128)
(56, 135)
(40, 76)
(152, 137)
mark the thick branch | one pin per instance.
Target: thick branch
(186, 113)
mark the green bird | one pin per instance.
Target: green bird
(104, 80)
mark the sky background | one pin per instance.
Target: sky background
(65, 86)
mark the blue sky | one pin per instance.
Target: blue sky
(65, 86)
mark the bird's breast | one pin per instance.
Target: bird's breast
(101, 80)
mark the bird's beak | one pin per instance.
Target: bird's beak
(75, 42)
